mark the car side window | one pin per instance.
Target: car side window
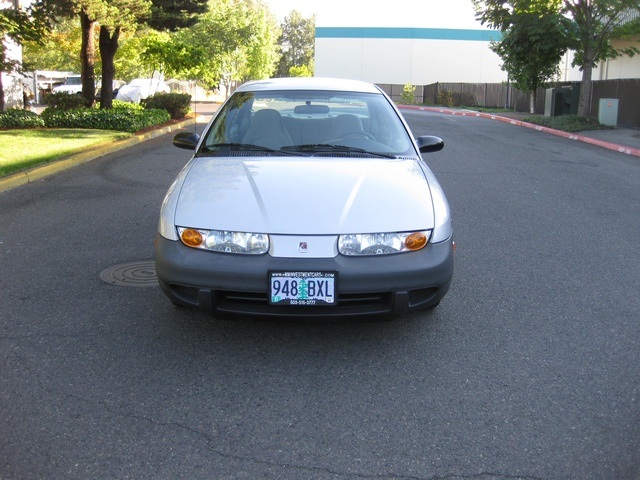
(231, 123)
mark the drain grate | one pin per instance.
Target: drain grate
(132, 274)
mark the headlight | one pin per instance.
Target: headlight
(382, 243)
(223, 241)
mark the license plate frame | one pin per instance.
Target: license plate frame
(303, 288)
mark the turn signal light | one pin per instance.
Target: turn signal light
(416, 241)
(191, 238)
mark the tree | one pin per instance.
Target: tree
(232, 42)
(88, 11)
(262, 49)
(129, 61)
(597, 22)
(106, 18)
(297, 43)
(118, 15)
(61, 46)
(593, 24)
(158, 49)
(532, 46)
(173, 15)
(171, 54)
(18, 25)
(56, 50)
(88, 56)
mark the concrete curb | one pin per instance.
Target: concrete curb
(571, 136)
(42, 171)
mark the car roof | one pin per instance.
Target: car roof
(309, 83)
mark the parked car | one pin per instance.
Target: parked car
(72, 84)
(306, 198)
(141, 88)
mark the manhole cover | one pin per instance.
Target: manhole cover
(132, 274)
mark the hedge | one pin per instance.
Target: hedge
(65, 101)
(177, 104)
(122, 119)
(19, 118)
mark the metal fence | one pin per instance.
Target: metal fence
(502, 95)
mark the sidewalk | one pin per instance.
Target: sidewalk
(623, 140)
(620, 136)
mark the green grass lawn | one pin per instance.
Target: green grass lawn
(26, 148)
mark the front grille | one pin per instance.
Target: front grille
(348, 304)
(257, 303)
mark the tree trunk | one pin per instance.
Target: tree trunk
(584, 105)
(108, 48)
(532, 101)
(88, 59)
(1, 72)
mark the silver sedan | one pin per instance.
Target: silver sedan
(306, 197)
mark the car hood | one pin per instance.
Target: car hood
(313, 196)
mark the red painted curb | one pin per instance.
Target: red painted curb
(559, 133)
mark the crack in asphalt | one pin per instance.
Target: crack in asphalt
(210, 439)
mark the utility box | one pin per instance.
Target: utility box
(562, 101)
(571, 99)
(553, 102)
(608, 112)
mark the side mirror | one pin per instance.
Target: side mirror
(429, 144)
(186, 140)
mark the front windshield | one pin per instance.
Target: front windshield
(309, 123)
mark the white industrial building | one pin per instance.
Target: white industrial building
(421, 42)
(419, 56)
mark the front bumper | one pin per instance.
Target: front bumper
(238, 284)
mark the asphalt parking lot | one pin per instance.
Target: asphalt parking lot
(528, 369)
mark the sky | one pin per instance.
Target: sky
(281, 8)
(360, 13)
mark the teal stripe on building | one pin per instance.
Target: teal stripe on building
(408, 33)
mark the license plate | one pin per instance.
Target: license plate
(302, 288)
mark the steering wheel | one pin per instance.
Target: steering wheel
(359, 134)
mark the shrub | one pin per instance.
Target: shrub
(566, 123)
(177, 104)
(19, 118)
(123, 107)
(408, 94)
(445, 98)
(123, 119)
(65, 101)
(466, 99)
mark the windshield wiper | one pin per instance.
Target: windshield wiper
(241, 147)
(330, 148)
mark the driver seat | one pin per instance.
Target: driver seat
(346, 124)
(267, 130)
